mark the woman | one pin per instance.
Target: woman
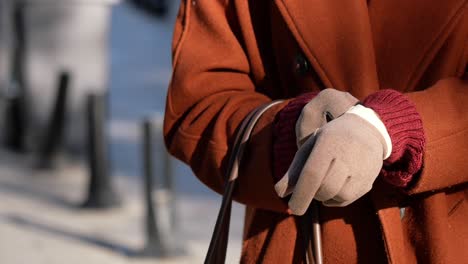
(230, 57)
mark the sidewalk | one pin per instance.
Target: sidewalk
(41, 223)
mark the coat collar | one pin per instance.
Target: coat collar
(350, 54)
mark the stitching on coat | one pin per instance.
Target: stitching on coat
(189, 137)
(463, 65)
(186, 27)
(456, 206)
(185, 30)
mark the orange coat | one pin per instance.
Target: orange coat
(231, 56)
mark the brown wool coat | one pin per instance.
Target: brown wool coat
(231, 56)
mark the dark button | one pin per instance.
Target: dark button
(301, 65)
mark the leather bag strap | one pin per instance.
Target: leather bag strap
(219, 240)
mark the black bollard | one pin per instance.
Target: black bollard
(15, 112)
(101, 192)
(14, 120)
(168, 176)
(154, 244)
(53, 137)
(159, 221)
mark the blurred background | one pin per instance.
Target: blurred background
(84, 176)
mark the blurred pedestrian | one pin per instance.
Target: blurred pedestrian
(59, 36)
(388, 166)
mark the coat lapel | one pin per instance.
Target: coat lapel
(408, 35)
(336, 37)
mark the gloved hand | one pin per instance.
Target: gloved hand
(337, 164)
(328, 104)
(325, 106)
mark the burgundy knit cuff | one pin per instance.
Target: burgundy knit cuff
(284, 145)
(406, 131)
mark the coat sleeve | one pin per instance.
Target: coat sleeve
(211, 92)
(444, 112)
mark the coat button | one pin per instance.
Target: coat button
(301, 65)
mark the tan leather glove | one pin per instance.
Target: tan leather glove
(336, 165)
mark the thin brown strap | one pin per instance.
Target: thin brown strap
(218, 245)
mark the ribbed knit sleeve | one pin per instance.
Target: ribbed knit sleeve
(405, 128)
(284, 145)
